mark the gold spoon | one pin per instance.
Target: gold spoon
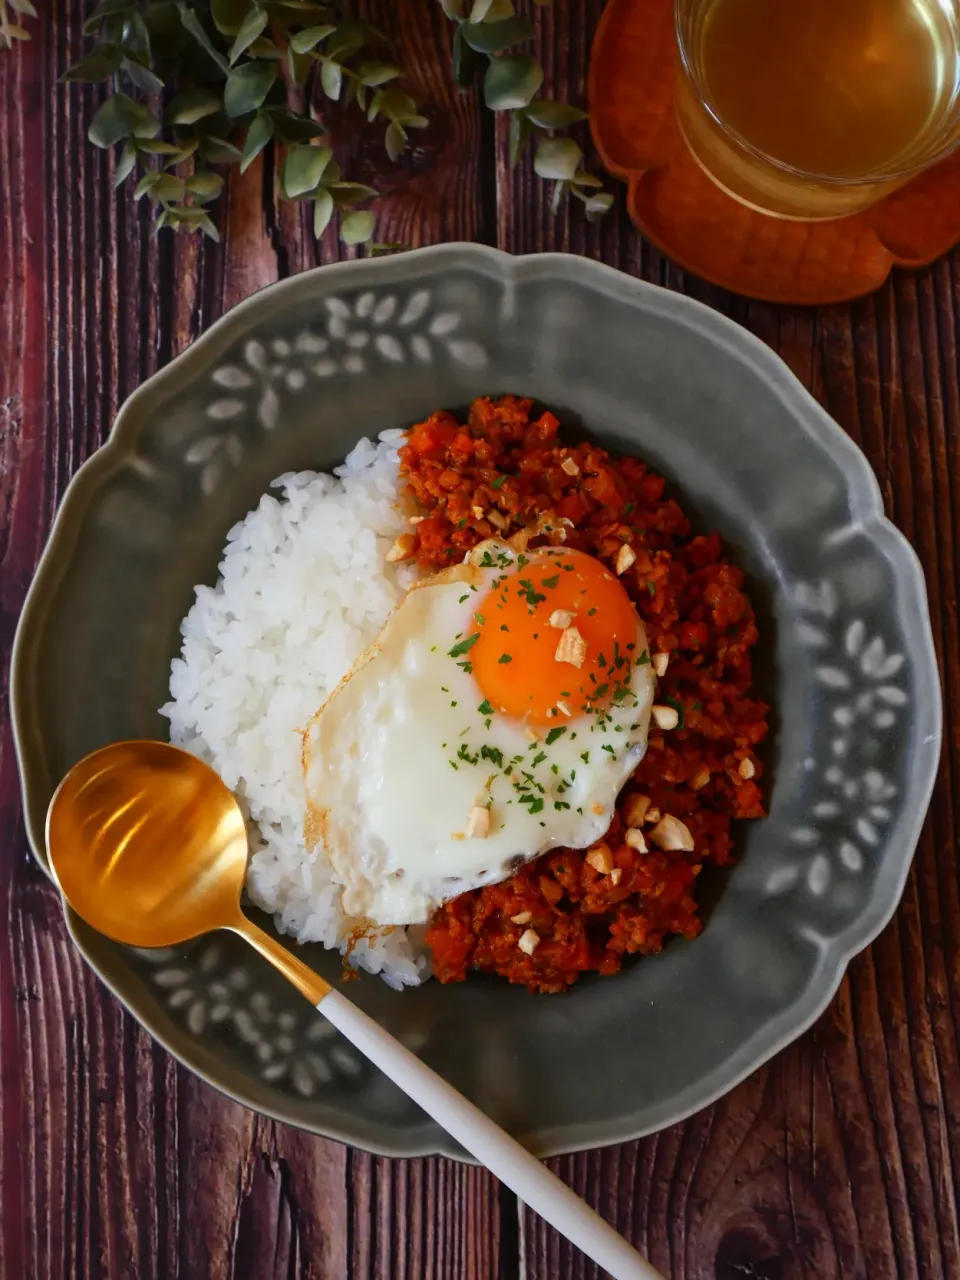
(149, 846)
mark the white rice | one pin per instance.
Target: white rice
(304, 588)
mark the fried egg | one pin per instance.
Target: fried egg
(498, 714)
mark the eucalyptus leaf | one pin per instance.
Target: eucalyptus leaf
(159, 147)
(167, 187)
(357, 227)
(258, 135)
(209, 227)
(499, 11)
(322, 212)
(348, 39)
(479, 10)
(511, 81)
(554, 115)
(264, 47)
(293, 128)
(396, 104)
(395, 140)
(104, 10)
(193, 25)
(96, 66)
(218, 150)
(494, 37)
(597, 205)
(252, 26)
(521, 131)
(142, 77)
(23, 6)
(247, 86)
(584, 179)
(374, 74)
(205, 185)
(135, 38)
(228, 15)
(121, 117)
(331, 78)
(466, 61)
(452, 8)
(193, 105)
(350, 193)
(125, 165)
(14, 32)
(308, 39)
(303, 168)
(557, 158)
(146, 184)
(298, 67)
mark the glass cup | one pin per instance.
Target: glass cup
(815, 109)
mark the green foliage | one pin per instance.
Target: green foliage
(228, 65)
(485, 31)
(11, 26)
(228, 69)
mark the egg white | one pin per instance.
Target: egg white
(403, 750)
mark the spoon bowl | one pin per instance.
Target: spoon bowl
(148, 844)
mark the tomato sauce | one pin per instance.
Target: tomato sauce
(493, 475)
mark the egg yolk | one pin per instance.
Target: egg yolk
(518, 629)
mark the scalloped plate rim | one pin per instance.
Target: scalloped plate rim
(866, 504)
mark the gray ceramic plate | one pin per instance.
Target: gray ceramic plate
(290, 380)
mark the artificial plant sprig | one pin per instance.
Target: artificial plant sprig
(233, 66)
(485, 31)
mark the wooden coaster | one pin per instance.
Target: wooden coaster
(633, 70)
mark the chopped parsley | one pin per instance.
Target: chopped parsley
(485, 708)
(551, 583)
(498, 483)
(554, 734)
(464, 646)
(504, 657)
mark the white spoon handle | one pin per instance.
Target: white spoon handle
(503, 1156)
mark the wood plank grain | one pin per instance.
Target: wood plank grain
(113, 1160)
(841, 1157)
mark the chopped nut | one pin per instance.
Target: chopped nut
(597, 809)
(615, 876)
(746, 770)
(415, 519)
(529, 941)
(626, 556)
(572, 648)
(660, 663)
(665, 717)
(672, 834)
(478, 824)
(402, 549)
(635, 810)
(601, 859)
(531, 735)
(564, 709)
(635, 839)
(653, 816)
(523, 917)
(477, 512)
(562, 618)
(700, 779)
(570, 467)
(498, 519)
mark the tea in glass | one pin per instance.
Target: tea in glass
(817, 108)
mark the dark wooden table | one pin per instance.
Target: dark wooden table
(841, 1158)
